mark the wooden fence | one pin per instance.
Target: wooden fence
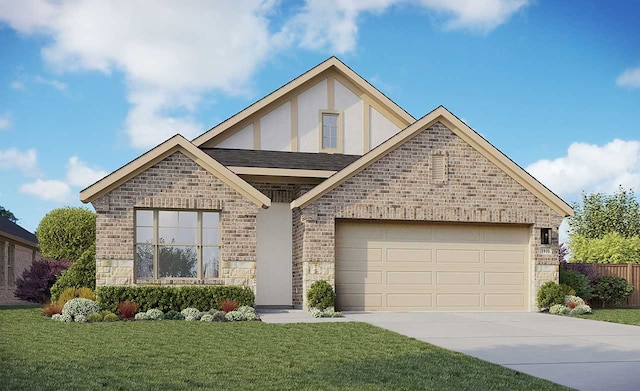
(630, 272)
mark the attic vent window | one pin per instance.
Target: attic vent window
(439, 167)
(330, 130)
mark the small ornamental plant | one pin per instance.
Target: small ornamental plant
(191, 314)
(321, 295)
(77, 310)
(127, 309)
(571, 305)
(228, 305)
(52, 309)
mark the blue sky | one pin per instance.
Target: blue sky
(86, 87)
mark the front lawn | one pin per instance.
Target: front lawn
(38, 353)
(615, 315)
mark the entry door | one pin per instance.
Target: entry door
(273, 267)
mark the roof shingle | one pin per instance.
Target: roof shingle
(278, 159)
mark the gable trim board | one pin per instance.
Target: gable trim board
(461, 130)
(340, 71)
(175, 144)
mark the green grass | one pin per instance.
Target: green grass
(615, 315)
(37, 353)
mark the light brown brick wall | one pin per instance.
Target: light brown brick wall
(22, 258)
(175, 183)
(398, 187)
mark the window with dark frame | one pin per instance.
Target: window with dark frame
(177, 244)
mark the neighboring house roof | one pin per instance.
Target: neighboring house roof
(324, 67)
(13, 231)
(461, 130)
(278, 159)
(175, 144)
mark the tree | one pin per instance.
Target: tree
(563, 251)
(7, 213)
(601, 214)
(35, 283)
(66, 233)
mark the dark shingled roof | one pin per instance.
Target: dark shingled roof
(277, 159)
(14, 229)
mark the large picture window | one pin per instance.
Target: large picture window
(177, 244)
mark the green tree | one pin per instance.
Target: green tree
(66, 233)
(7, 213)
(600, 214)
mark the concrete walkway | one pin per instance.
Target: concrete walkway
(579, 353)
(294, 316)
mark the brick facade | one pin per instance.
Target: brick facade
(15, 258)
(399, 187)
(174, 183)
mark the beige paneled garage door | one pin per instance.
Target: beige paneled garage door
(416, 266)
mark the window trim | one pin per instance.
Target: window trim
(339, 142)
(199, 244)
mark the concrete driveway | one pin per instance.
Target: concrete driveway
(579, 353)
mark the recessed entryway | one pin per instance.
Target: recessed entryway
(273, 251)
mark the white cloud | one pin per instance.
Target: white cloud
(48, 190)
(80, 174)
(25, 161)
(589, 167)
(335, 28)
(475, 15)
(17, 85)
(170, 54)
(5, 121)
(58, 85)
(630, 78)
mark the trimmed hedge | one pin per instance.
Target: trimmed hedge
(167, 298)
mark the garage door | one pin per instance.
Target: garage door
(414, 266)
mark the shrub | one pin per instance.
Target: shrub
(573, 301)
(206, 318)
(612, 290)
(218, 316)
(229, 305)
(35, 283)
(329, 312)
(155, 314)
(167, 298)
(78, 309)
(235, 316)
(72, 293)
(589, 270)
(611, 248)
(191, 314)
(581, 310)
(66, 233)
(578, 281)
(567, 290)
(249, 313)
(559, 309)
(549, 294)
(127, 309)
(141, 316)
(321, 295)
(51, 309)
(94, 317)
(110, 317)
(171, 315)
(81, 274)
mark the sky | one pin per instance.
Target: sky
(87, 86)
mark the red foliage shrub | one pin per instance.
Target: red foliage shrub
(36, 281)
(51, 309)
(127, 309)
(228, 305)
(572, 305)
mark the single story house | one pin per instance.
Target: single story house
(18, 250)
(327, 178)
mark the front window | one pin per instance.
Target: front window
(177, 244)
(329, 131)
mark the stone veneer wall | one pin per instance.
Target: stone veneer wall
(23, 257)
(398, 187)
(175, 183)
